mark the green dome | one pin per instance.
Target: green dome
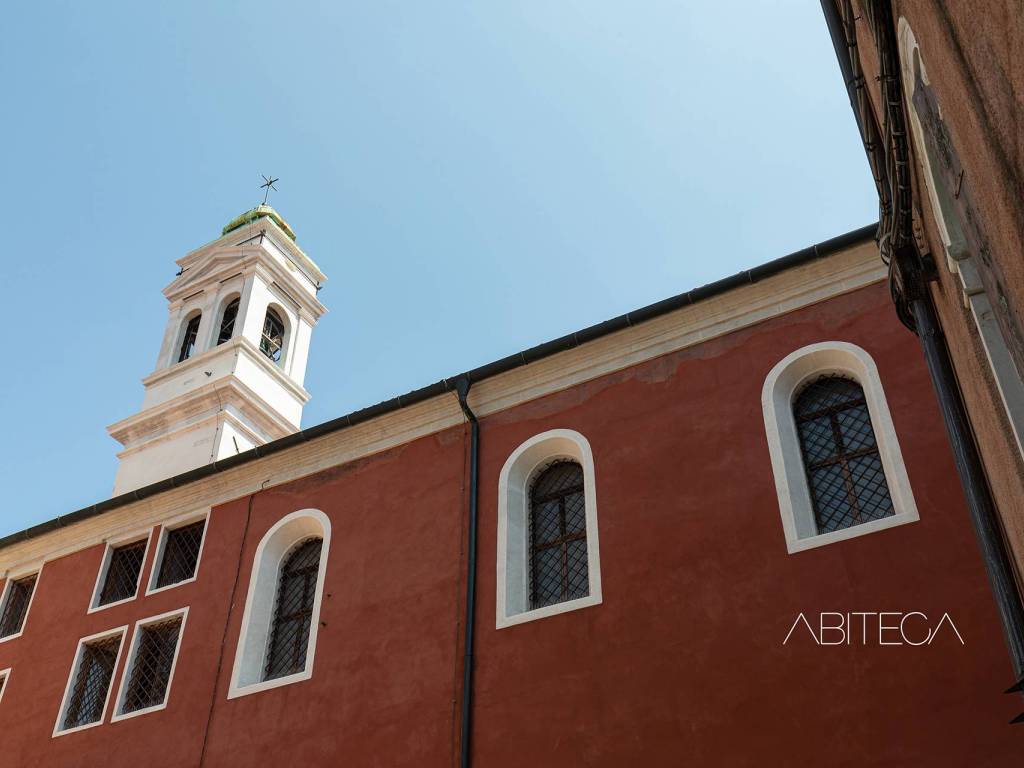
(258, 213)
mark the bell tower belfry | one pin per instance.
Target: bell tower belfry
(231, 366)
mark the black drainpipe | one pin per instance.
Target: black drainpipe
(969, 467)
(908, 277)
(462, 390)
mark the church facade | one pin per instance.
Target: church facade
(725, 529)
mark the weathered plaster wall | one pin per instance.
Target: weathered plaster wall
(683, 661)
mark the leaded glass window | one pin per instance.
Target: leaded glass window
(558, 535)
(841, 458)
(293, 610)
(15, 608)
(151, 665)
(88, 695)
(122, 578)
(180, 554)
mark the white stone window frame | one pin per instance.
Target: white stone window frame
(10, 578)
(133, 650)
(781, 386)
(513, 563)
(158, 557)
(5, 676)
(257, 618)
(73, 673)
(959, 259)
(101, 576)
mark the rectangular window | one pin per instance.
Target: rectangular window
(17, 597)
(4, 674)
(179, 554)
(147, 677)
(121, 579)
(88, 689)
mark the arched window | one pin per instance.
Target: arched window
(227, 321)
(836, 459)
(277, 641)
(188, 340)
(293, 610)
(558, 535)
(549, 560)
(272, 341)
(844, 469)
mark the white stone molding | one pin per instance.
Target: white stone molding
(254, 637)
(10, 578)
(959, 258)
(158, 557)
(126, 673)
(101, 575)
(781, 386)
(513, 566)
(76, 660)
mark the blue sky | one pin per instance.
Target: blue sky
(474, 178)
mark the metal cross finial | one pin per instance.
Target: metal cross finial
(268, 186)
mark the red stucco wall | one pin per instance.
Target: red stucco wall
(682, 663)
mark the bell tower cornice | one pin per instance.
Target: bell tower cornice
(230, 372)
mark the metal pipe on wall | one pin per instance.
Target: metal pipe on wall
(462, 391)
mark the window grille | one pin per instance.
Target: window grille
(122, 579)
(844, 469)
(227, 322)
(151, 667)
(12, 618)
(188, 341)
(272, 340)
(92, 682)
(558, 536)
(293, 611)
(181, 550)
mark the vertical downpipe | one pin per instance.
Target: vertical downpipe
(462, 390)
(974, 482)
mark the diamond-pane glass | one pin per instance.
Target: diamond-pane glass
(122, 579)
(558, 535)
(151, 667)
(844, 470)
(92, 681)
(16, 605)
(181, 550)
(293, 611)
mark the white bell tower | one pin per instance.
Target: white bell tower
(233, 359)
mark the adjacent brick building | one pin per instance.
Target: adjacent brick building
(938, 93)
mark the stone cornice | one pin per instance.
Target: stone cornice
(145, 427)
(800, 286)
(241, 345)
(281, 240)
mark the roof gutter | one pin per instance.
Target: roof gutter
(527, 356)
